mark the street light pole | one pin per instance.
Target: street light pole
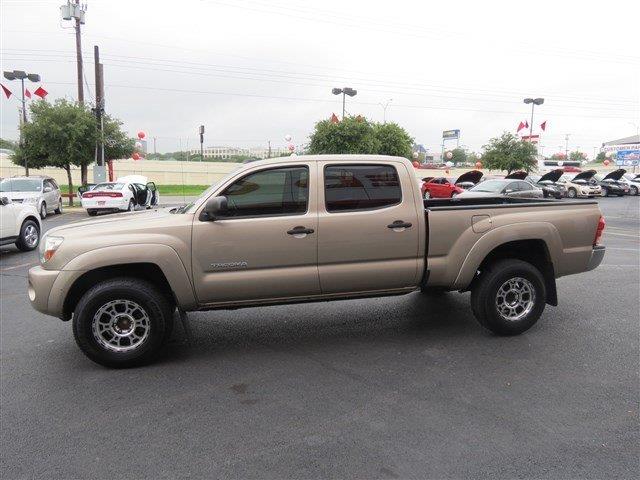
(21, 75)
(533, 102)
(344, 91)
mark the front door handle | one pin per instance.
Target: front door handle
(399, 224)
(300, 231)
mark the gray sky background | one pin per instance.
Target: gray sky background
(257, 70)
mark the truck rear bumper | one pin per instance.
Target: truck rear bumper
(597, 254)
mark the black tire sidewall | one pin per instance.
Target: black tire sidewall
(495, 277)
(158, 310)
(43, 210)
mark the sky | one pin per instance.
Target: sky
(254, 71)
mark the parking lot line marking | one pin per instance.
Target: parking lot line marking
(17, 266)
(625, 249)
(617, 266)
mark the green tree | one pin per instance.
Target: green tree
(600, 157)
(577, 156)
(393, 140)
(8, 144)
(351, 135)
(558, 156)
(509, 153)
(63, 134)
(358, 135)
(459, 155)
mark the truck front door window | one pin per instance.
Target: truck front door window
(280, 191)
(361, 187)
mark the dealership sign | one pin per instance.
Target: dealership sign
(450, 134)
(628, 158)
(618, 148)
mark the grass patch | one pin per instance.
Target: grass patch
(170, 190)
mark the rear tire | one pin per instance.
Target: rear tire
(43, 210)
(572, 193)
(508, 297)
(58, 210)
(605, 192)
(633, 190)
(122, 322)
(131, 206)
(92, 213)
(29, 237)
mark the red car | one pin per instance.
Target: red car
(441, 187)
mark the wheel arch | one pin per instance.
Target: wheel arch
(149, 272)
(538, 248)
(159, 264)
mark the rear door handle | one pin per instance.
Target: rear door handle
(399, 224)
(300, 231)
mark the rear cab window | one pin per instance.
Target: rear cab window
(361, 187)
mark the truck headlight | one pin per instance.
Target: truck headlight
(48, 247)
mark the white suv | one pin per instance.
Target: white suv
(41, 192)
(19, 224)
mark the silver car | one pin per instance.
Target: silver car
(503, 187)
(39, 191)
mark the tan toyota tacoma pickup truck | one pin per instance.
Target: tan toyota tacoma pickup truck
(301, 229)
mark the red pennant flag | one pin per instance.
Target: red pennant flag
(543, 125)
(41, 92)
(6, 91)
(334, 118)
(27, 93)
(526, 124)
(520, 127)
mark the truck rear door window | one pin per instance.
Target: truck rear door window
(277, 191)
(361, 187)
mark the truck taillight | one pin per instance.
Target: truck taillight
(599, 230)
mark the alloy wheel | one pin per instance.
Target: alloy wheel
(121, 325)
(31, 235)
(515, 299)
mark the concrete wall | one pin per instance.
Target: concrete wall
(162, 173)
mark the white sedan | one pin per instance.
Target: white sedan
(125, 194)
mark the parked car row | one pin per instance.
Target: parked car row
(42, 192)
(554, 184)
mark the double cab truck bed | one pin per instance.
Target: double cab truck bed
(300, 229)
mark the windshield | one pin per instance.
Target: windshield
(187, 208)
(20, 185)
(534, 178)
(489, 186)
(108, 186)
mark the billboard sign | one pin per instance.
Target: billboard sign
(618, 148)
(628, 158)
(450, 134)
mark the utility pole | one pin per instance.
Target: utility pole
(202, 143)
(269, 151)
(74, 10)
(79, 55)
(566, 146)
(99, 105)
(154, 145)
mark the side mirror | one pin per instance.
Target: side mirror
(508, 191)
(4, 201)
(151, 186)
(48, 189)
(214, 208)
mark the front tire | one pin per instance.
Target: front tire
(29, 237)
(509, 297)
(633, 190)
(131, 207)
(122, 322)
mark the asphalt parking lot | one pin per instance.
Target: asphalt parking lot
(401, 387)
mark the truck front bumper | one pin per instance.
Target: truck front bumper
(48, 289)
(597, 254)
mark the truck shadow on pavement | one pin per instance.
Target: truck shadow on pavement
(324, 326)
